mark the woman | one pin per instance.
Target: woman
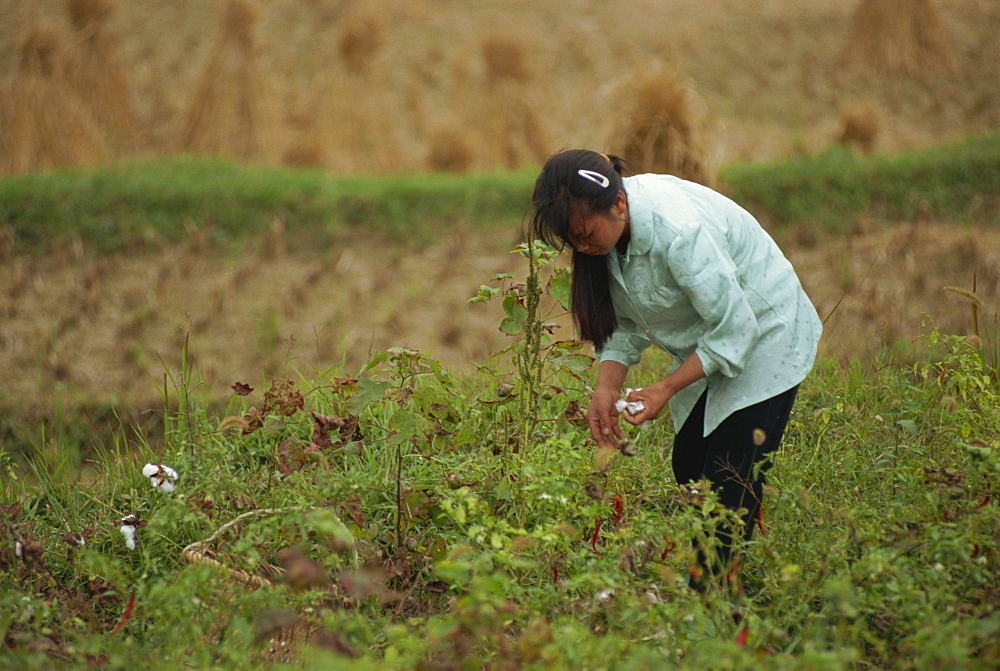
(661, 261)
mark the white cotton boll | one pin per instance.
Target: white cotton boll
(18, 549)
(128, 531)
(635, 407)
(605, 594)
(160, 477)
(632, 407)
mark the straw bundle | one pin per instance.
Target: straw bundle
(511, 133)
(860, 124)
(96, 72)
(899, 36)
(450, 148)
(361, 41)
(661, 124)
(232, 112)
(355, 125)
(43, 124)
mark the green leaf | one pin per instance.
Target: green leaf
(513, 308)
(908, 425)
(379, 357)
(406, 425)
(510, 326)
(559, 287)
(369, 391)
(484, 295)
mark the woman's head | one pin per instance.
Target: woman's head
(573, 183)
(579, 200)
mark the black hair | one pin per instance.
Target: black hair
(560, 192)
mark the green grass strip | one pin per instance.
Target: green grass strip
(958, 183)
(114, 204)
(111, 207)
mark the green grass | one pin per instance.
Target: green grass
(432, 542)
(446, 547)
(958, 183)
(115, 207)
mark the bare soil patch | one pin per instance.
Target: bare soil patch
(82, 330)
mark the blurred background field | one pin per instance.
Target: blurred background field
(299, 183)
(356, 86)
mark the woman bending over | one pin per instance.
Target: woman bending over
(661, 261)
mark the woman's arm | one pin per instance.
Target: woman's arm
(656, 395)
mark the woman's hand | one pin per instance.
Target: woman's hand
(653, 397)
(656, 395)
(603, 418)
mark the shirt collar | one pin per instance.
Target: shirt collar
(640, 218)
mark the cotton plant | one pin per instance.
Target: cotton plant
(160, 476)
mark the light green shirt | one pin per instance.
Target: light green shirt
(700, 275)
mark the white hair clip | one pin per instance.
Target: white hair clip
(595, 177)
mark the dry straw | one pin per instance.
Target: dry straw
(97, 73)
(233, 111)
(899, 36)
(283, 640)
(860, 125)
(501, 106)
(43, 124)
(356, 127)
(361, 41)
(450, 147)
(661, 124)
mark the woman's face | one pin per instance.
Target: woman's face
(596, 234)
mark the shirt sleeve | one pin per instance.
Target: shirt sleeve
(707, 275)
(625, 345)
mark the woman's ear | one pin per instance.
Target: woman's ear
(620, 206)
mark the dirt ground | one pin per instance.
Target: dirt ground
(81, 329)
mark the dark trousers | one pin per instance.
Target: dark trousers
(734, 459)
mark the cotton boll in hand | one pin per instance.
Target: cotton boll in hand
(632, 407)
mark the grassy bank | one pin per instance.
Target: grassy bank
(122, 206)
(396, 520)
(831, 191)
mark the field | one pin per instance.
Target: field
(405, 494)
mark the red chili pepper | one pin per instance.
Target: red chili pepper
(617, 507)
(975, 550)
(597, 532)
(734, 569)
(741, 637)
(986, 499)
(126, 615)
(555, 574)
(670, 545)
(760, 521)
